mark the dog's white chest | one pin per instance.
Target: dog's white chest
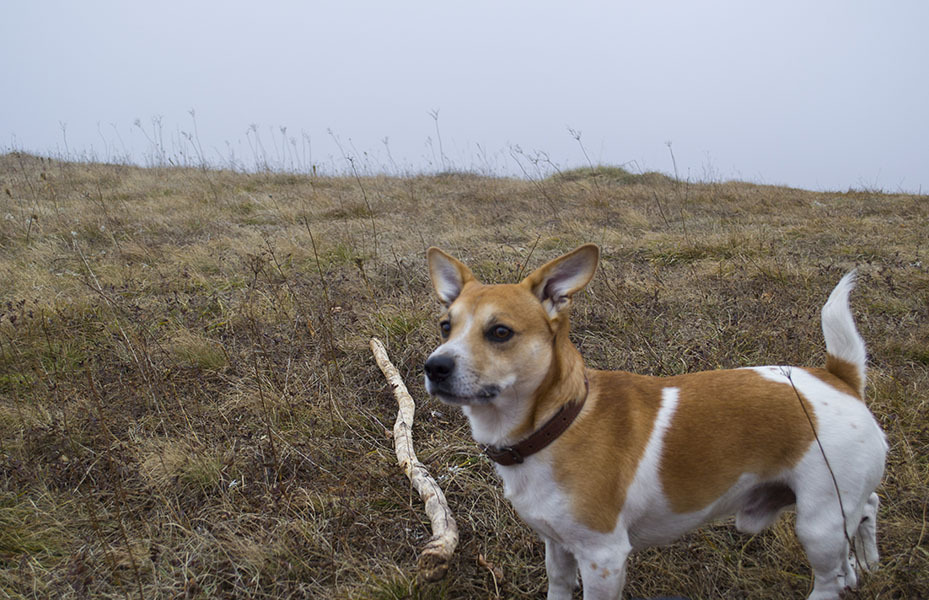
(532, 490)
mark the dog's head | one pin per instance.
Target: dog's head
(498, 341)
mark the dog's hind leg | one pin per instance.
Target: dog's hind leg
(821, 531)
(866, 535)
(561, 567)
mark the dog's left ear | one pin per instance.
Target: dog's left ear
(555, 282)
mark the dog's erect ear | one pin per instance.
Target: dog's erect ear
(555, 282)
(449, 275)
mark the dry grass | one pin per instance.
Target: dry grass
(188, 407)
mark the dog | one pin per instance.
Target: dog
(603, 463)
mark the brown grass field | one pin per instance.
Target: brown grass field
(189, 408)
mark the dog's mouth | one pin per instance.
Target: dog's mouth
(484, 396)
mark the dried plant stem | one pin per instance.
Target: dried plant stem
(835, 483)
(434, 559)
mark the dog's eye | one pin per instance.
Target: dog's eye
(499, 333)
(445, 327)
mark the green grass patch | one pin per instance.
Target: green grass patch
(613, 175)
(916, 353)
(401, 587)
(27, 530)
(693, 251)
(400, 324)
(196, 351)
(355, 210)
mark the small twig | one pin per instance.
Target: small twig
(677, 188)
(495, 572)
(660, 209)
(326, 319)
(120, 494)
(434, 559)
(576, 134)
(434, 113)
(522, 266)
(267, 417)
(364, 195)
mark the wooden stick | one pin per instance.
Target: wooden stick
(434, 559)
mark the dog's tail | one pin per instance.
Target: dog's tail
(845, 350)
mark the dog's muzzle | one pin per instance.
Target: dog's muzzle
(441, 382)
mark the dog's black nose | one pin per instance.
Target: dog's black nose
(438, 368)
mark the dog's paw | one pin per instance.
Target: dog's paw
(849, 579)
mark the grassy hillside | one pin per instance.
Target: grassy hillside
(189, 409)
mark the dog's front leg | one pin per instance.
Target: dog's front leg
(561, 567)
(603, 573)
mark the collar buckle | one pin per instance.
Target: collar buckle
(507, 455)
(514, 454)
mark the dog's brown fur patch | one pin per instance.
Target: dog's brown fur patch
(728, 423)
(845, 371)
(597, 457)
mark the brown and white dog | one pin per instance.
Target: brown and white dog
(602, 463)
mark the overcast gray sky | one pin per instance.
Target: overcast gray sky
(821, 94)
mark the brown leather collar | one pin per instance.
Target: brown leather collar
(542, 437)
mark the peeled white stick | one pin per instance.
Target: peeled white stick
(434, 559)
